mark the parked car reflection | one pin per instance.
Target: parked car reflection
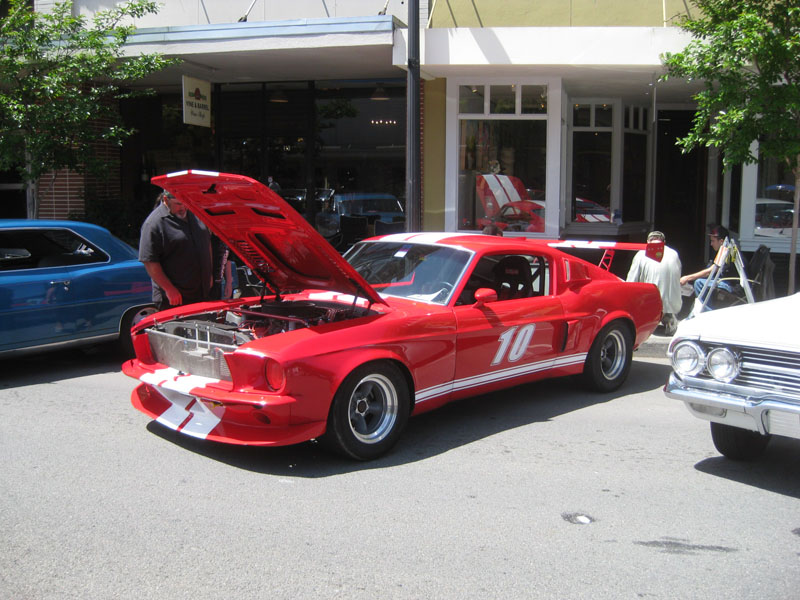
(297, 198)
(508, 204)
(353, 215)
(588, 211)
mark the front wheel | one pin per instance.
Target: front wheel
(609, 358)
(131, 318)
(736, 443)
(369, 411)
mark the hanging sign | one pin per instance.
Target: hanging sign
(196, 101)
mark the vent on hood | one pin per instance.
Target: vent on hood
(220, 212)
(261, 212)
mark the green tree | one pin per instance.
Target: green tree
(61, 80)
(747, 53)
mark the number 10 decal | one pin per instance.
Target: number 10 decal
(517, 341)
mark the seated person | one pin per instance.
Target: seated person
(716, 236)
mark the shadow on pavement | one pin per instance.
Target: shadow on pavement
(775, 471)
(428, 435)
(60, 365)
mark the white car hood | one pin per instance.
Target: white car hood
(770, 324)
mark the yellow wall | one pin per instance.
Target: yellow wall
(433, 131)
(555, 13)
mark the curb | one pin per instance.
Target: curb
(653, 347)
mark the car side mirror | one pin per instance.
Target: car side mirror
(484, 296)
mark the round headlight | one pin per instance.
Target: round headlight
(274, 374)
(688, 359)
(722, 364)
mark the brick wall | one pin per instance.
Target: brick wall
(62, 194)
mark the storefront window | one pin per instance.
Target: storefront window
(774, 199)
(534, 99)
(582, 115)
(603, 115)
(634, 177)
(470, 99)
(634, 163)
(502, 99)
(591, 176)
(358, 144)
(502, 161)
(502, 175)
(591, 163)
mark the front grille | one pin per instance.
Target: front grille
(774, 370)
(190, 355)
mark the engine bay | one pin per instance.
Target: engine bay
(197, 343)
(236, 326)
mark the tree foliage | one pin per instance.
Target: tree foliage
(747, 54)
(61, 78)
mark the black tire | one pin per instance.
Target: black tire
(609, 359)
(736, 443)
(369, 411)
(129, 319)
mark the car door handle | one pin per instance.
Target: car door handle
(64, 282)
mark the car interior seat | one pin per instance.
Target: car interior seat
(512, 278)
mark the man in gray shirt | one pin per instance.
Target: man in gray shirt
(175, 248)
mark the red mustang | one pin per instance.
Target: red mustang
(346, 349)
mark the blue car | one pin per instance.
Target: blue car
(67, 283)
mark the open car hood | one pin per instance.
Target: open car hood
(273, 240)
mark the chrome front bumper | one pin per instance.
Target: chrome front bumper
(757, 412)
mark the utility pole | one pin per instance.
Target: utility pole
(413, 170)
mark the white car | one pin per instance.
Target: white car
(774, 217)
(739, 368)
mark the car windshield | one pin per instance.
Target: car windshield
(417, 271)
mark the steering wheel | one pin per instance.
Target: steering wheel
(445, 291)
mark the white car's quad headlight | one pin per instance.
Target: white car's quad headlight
(722, 364)
(688, 359)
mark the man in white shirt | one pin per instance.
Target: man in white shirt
(665, 275)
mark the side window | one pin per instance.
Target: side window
(540, 276)
(31, 249)
(512, 276)
(14, 258)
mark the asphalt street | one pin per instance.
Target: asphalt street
(542, 491)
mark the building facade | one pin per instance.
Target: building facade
(548, 118)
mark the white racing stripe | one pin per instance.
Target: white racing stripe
(173, 379)
(512, 373)
(187, 413)
(502, 189)
(421, 238)
(332, 296)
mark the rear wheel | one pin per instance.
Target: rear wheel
(131, 318)
(609, 358)
(736, 443)
(369, 411)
